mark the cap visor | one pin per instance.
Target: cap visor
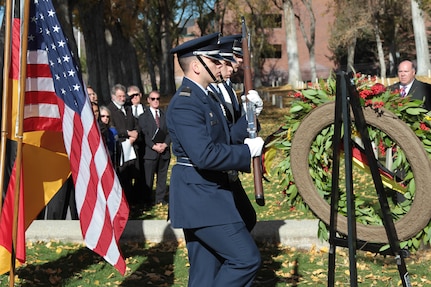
(229, 58)
(214, 57)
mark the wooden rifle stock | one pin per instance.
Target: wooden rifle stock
(248, 85)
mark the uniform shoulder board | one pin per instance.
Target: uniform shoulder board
(185, 92)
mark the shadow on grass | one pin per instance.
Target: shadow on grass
(271, 272)
(152, 264)
(82, 266)
(158, 268)
(53, 273)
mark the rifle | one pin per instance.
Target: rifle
(251, 116)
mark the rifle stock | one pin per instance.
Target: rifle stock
(248, 85)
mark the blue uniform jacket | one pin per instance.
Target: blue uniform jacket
(199, 195)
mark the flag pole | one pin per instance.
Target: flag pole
(5, 95)
(19, 132)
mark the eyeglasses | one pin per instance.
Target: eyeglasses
(153, 99)
(134, 95)
(104, 116)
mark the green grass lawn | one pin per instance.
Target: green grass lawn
(165, 264)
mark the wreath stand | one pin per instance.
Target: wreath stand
(348, 97)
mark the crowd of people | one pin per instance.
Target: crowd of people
(138, 142)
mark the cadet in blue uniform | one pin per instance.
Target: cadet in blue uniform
(236, 121)
(201, 201)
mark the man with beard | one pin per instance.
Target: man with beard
(127, 128)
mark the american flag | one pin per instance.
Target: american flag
(56, 100)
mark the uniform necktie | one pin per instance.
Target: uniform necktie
(157, 118)
(135, 111)
(403, 91)
(224, 109)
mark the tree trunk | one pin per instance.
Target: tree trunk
(310, 42)
(93, 30)
(313, 65)
(351, 54)
(124, 68)
(149, 58)
(380, 52)
(291, 43)
(167, 81)
(422, 50)
(256, 62)
(111, 58)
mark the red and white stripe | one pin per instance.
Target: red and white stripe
(102, 207)
(41, 103)
(99, 197)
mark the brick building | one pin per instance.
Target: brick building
(275, 68)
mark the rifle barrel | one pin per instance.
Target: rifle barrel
(248, 85)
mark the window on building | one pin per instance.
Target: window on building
(272, 21)
(272, 51)
(182, 31)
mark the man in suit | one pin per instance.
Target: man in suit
(408, 85)
(200, 199)
(135, 96)
(127, 128)
(157, 153)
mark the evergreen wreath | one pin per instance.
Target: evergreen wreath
(373, 95)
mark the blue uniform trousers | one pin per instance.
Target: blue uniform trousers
(222, 255)
(243, 204)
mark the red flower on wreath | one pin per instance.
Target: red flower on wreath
(298, 95)
(424, 127)
(378, 89)
(378, 105)
(382, 147)
(365, 94)
(373, 91)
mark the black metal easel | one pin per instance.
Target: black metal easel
(348, 97)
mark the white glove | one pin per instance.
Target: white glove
(254, 97)
(255, 146)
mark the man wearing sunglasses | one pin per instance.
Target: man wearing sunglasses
(157, 153)
(135, 96)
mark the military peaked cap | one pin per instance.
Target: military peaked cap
(203, 46)
(226, 51)
(236, 41)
